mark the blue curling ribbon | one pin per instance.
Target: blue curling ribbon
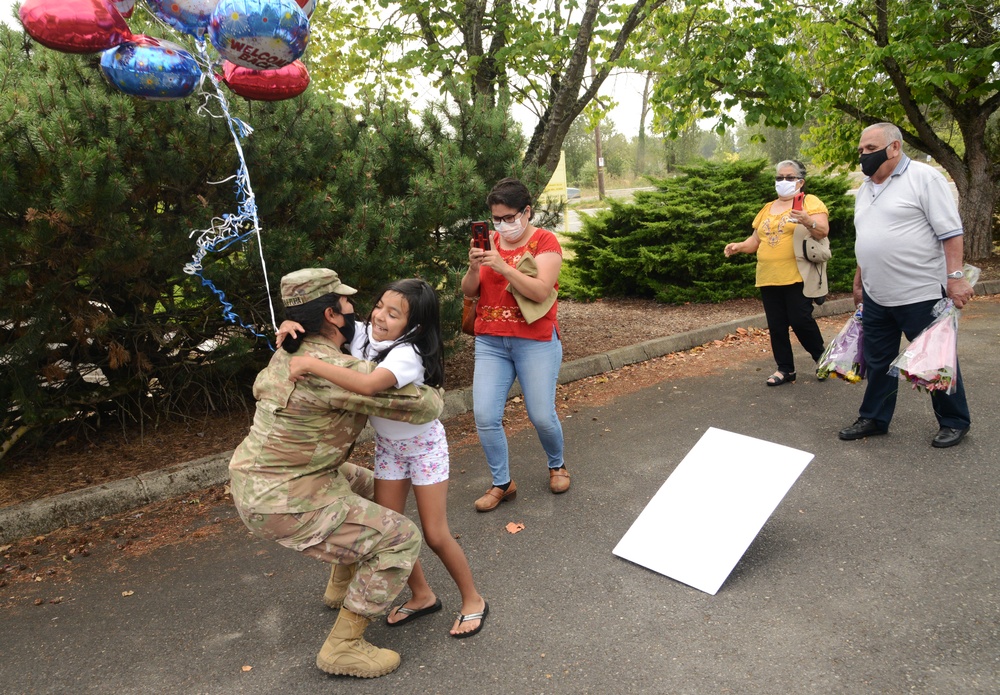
(230, 229)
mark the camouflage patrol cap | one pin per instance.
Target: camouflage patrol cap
(311, 283)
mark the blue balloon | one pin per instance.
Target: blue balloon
(151, 68)
(259, 34)
(189, 16)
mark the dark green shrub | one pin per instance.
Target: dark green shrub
(668, 243)
(99, 193)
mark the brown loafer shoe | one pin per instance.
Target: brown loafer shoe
(558, 480)
(494, 496)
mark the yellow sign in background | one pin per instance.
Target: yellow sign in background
(555, 191)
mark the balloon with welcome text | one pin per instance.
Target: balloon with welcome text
(259, 34)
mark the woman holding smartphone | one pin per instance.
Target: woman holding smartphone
(778, 277)
(517, 335)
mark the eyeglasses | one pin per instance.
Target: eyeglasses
(785, 178)
(507, 219)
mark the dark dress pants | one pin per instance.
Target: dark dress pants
(883, 327)
(786, 307)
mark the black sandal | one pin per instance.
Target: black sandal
(481, 617)
(780, 377)
(412, 614)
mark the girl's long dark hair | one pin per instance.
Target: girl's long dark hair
(423, 327)
(312, 317)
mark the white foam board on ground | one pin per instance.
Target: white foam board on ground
(704, 517)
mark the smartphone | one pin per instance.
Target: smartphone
(481, 236)
(797, 201)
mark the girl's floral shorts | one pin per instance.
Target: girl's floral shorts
(423, 459)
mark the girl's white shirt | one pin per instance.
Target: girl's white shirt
(405, 364)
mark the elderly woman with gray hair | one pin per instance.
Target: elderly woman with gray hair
(778, 276)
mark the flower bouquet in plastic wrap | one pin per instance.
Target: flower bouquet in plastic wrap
(844, 357)
(930, 362)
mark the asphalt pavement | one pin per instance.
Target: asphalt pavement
(877, 573)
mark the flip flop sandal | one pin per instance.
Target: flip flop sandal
(481, 617)
(412, 614)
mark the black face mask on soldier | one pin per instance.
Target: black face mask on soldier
(348, 330)
(871, 161)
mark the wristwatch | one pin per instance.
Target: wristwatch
(956, 275)
(813, 225)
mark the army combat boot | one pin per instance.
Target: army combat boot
(336, 588)
(346, 653)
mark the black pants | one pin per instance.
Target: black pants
(786, 307)
(883, 329)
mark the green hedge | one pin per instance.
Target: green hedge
(668, 244)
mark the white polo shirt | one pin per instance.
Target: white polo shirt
(900, 228)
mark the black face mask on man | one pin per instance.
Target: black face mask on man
(871, 161)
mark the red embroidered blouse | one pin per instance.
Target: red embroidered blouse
(497, 313)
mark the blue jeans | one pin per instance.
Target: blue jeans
(535, 363)
(883, 326)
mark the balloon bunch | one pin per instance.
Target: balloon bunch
(258, 42)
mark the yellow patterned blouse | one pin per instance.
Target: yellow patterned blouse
(775, 255)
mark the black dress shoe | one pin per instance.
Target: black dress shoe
(862, 427)
(948, 436)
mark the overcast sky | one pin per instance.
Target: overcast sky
(5, 11)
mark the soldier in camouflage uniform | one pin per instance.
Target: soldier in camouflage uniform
(291, 485)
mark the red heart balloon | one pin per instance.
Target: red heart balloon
(266, 85)
(74, 26)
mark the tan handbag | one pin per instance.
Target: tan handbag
(811, 256)
(469, 305)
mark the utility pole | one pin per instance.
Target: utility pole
(597, 142)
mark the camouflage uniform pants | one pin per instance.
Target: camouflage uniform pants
(384, 544)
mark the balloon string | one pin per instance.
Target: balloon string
(230, 228)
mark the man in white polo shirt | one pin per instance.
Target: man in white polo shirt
(909, 252)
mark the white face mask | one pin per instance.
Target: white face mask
(785, 189)
(511, 231)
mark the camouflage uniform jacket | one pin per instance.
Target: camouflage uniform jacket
(302, 431)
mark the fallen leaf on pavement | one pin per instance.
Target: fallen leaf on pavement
(127, 593)
(513, 527)
(247, 668)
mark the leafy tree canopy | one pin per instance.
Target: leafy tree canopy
(553, 57)
(928, 67)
